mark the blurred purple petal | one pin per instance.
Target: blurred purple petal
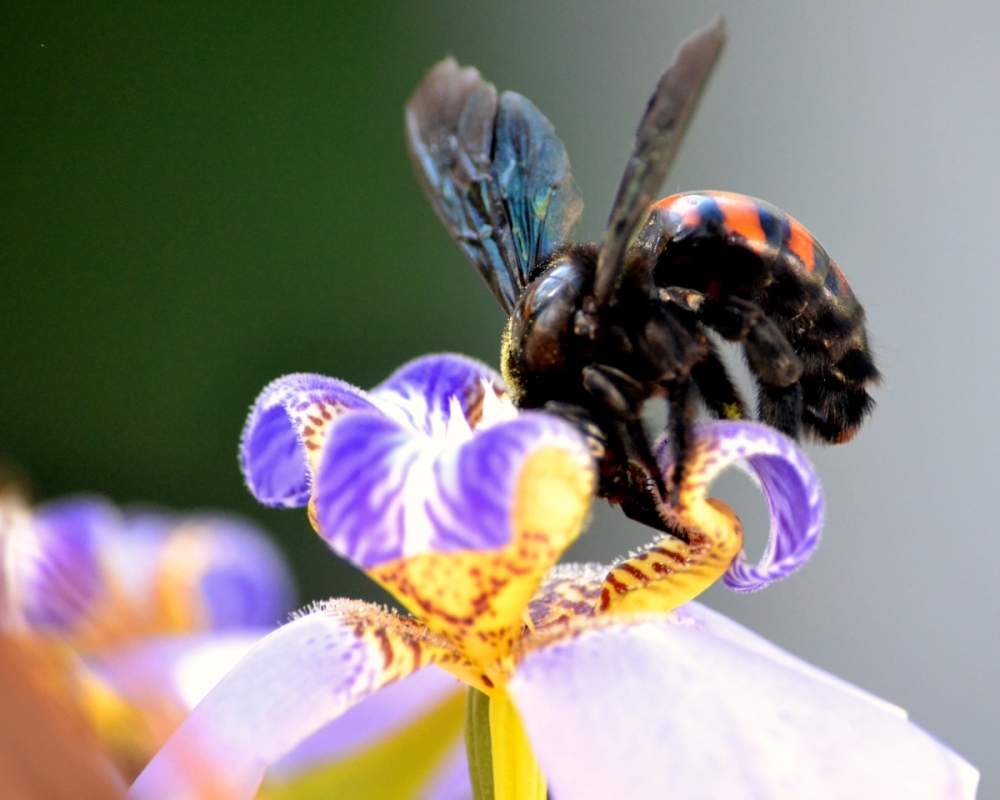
(246, 581)
(172, 670)
(793, 493)
(57, 572)
(660, 705)
(420, 392)
(384, 491)
(292, 683)
(288, 421)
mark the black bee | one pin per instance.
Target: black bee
(596, 330)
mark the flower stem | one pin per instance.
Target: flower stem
(502, 764)
(478, 746)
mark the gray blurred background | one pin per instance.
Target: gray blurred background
(195, 201)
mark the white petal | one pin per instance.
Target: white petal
(287, 687)
(660, 709)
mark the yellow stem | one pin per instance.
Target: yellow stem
(516, 775)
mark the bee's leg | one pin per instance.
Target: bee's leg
(781, 407)
(640, 490)
(717, 389)
(580, 418)
(682, 405)
(770, 355)
(776, 366)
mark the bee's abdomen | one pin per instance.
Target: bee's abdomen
(720, 242)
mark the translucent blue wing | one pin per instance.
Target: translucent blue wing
(494, 172)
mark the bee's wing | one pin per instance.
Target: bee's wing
(656, 141)
(495, 173)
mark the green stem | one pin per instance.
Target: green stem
(502, 764)
(479, 744)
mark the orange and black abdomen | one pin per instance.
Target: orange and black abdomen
(721, 243)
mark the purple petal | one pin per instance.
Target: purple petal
(660, 706)
(793, 493)
(245, 582)
(291, 684)
(287, 423)
(57, 573)
(384, 491)
(420, 392)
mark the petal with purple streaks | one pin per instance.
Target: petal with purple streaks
(793, 493)
(286, 430)
(420, 393)
(291, 684)
(385, 492)
(56, 567)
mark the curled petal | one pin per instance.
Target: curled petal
(660, 707)
(793, 493)
(291, 684)
(421, 392)
(285, 432)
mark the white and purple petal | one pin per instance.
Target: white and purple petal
(792, 490)
(384, 491)
(660, 709)
(292, 683)
(82, 571)
(421, 392)
(287, 424)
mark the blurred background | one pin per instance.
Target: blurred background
(197, 200)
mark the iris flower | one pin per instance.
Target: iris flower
(588, 681)
(131, 617)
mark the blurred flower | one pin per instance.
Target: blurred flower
(460, 507)
(130, 618)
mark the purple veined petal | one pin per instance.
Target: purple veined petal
(659, 704)
(384, 492)
(292, 683)
(55, 570)
(245, 581)
(420, 393)
(287, 424)
(794, 496)
(179, 573)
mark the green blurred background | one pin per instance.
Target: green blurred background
(197, 198)
(195, 201)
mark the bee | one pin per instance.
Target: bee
(597, 330)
